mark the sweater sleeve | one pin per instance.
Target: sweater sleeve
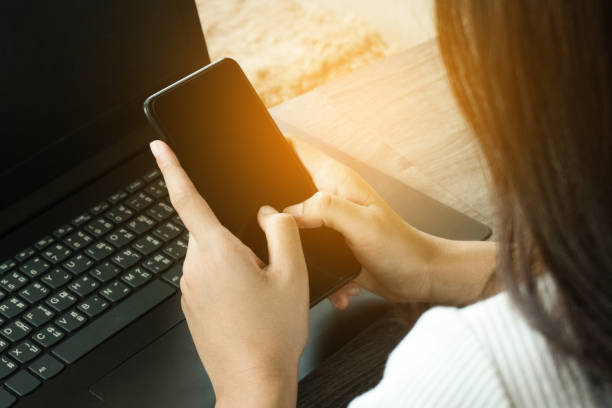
(439, 363)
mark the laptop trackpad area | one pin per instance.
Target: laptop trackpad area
(164, 373)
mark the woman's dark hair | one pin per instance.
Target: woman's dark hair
(533, 78)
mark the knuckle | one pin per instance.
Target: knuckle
(283, 220)
(323, 200)
(183, 286)
(181, 198)
(188, 275)
(183, 304)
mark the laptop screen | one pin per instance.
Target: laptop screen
(75, 74)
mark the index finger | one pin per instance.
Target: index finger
(191, 207)
(320, 166)
(330, 175)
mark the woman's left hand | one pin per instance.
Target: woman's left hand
(249, 321)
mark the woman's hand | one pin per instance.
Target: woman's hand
(249, 321)
(400, 263)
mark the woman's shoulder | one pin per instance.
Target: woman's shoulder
(481, 355)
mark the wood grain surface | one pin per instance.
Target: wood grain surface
(399, 116)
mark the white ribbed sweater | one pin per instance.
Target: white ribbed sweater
(484, 355)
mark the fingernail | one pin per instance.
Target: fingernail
(155, 148)
(295, 210)
(354, 290)
(267, 210)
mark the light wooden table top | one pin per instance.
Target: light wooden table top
(399, 116)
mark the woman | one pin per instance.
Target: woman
(533, 79)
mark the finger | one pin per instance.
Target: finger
(332, 176)
(191, 207)
(325, 171)
(284, 244)
(332, 211)
(340, 299)
(312, 158)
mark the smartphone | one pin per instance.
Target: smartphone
(238, 159)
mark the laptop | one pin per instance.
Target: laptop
(90, 247)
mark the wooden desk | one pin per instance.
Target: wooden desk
(399, 116)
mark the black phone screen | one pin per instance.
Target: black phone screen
(238, 160)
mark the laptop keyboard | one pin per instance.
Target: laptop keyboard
(85, 281)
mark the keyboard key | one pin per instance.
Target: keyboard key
(56, 253)
(63, 231)
(39, 315)
(151, 175)
(139, 201)
(177, 221)
(147, 244)
(7, 266)
(134, 186)
(34, 292)
(61, 300)
(99, 250)
(78, 240)
(118, 196)
(56, 278)
(99, 226)
(177, 249)
(12, 307)
(78, 264)
(141, 224)
(81, 219)
(126, 258)
(3, 345)
(24, 254)
(136, 277)
(99, 208)
(160, 211)
(48, 336)
(6, 398)
(105, 272)
(7, 366)
(15, 331)
(173, 275)
(44, 242)
(157, 189)
(70, 321)
(93, 305)
(84, 285)
(25, 351)
(112, 321)
(120, 237)
(115, 291)
(34, 267)
(157, 263)
(167, 231)
(119, 214)
(22, 383)
(46, 367)
(13, 281)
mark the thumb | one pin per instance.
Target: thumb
(284, 244)
(331, 211)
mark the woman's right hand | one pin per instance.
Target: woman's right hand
(394, 255)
